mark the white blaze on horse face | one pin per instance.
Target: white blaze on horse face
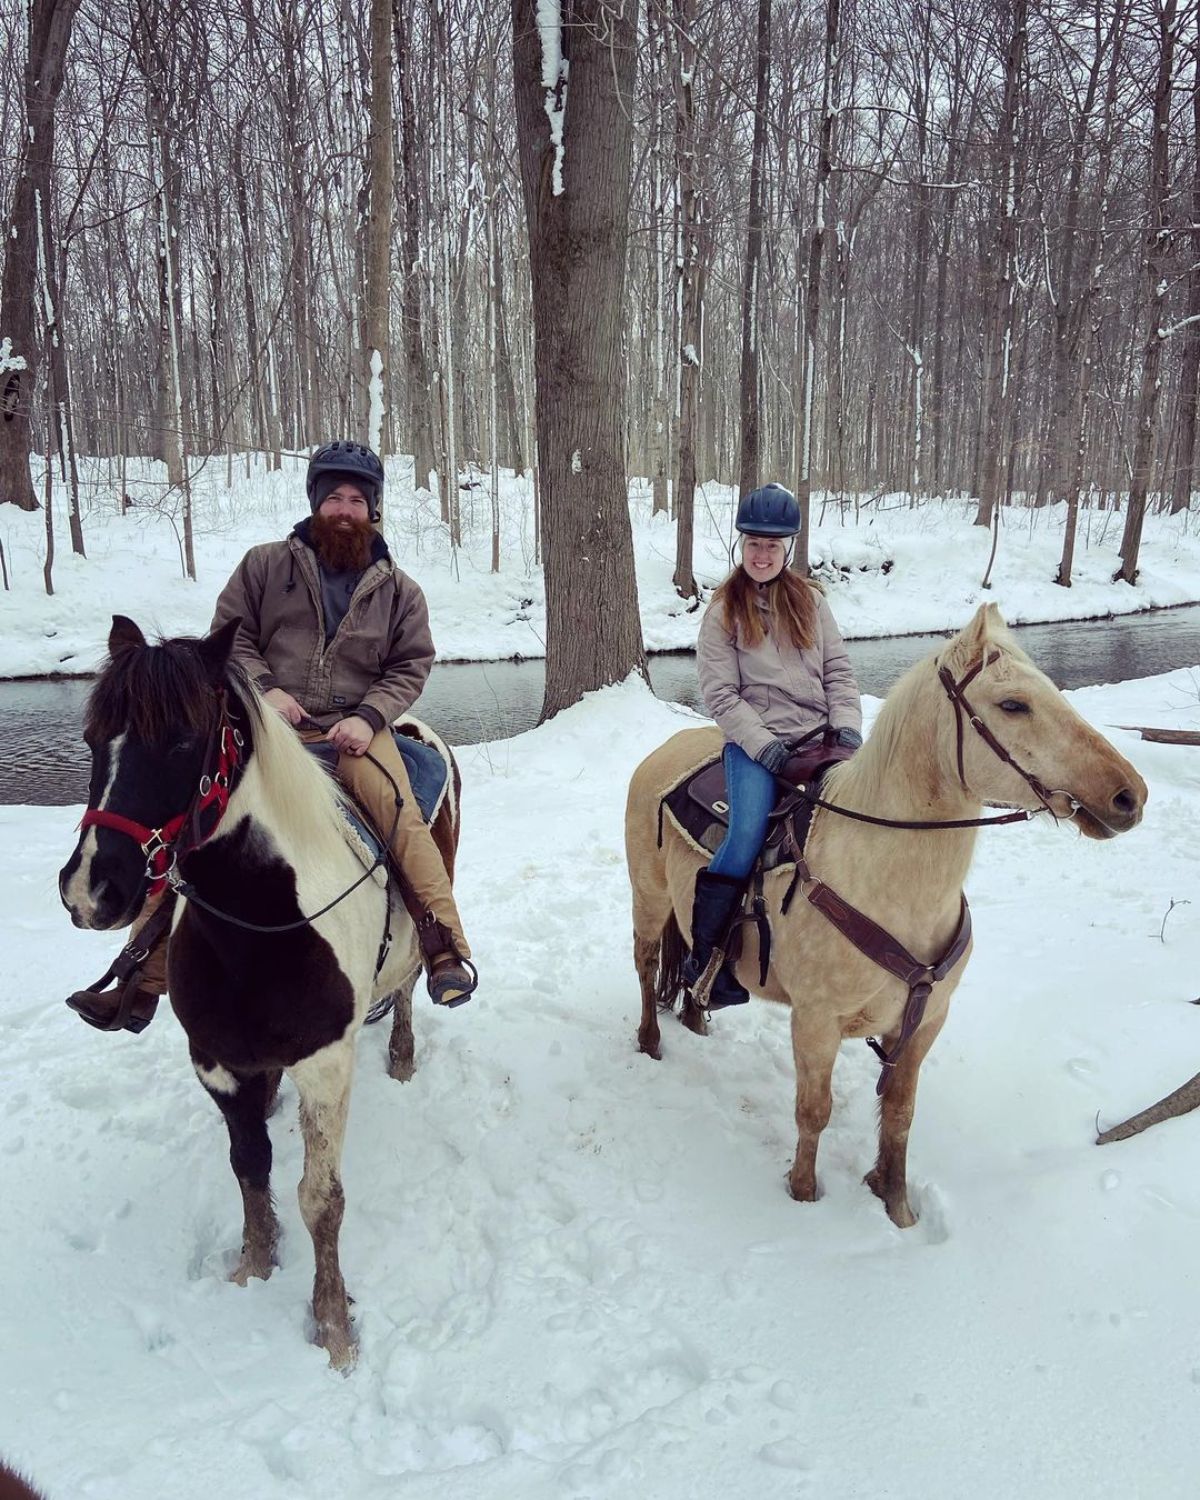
(77, 893)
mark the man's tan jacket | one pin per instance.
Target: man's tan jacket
(375, 665)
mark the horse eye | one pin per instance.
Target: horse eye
(1013, 706)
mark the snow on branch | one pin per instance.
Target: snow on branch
(9, 360)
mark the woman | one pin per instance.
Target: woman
(772, 667)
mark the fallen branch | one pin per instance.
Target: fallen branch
(1164, 736)
(1181, 1102)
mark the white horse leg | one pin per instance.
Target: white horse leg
(815, 1041)
(888, 1178)
(323, 1081)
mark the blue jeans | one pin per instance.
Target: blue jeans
(751, 793)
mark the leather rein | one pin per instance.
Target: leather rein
(867, 936)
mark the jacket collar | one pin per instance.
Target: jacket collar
(379, 548)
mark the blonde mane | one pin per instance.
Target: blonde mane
(305, 801)
(904, 739)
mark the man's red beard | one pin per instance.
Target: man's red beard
(341, 544)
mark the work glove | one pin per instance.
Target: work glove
(773, 756)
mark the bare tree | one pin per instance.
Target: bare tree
(48, 37)
(1155, 262)
(575, 135)
(377, 311)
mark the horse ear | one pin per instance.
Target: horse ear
(215, 649)
(124, 635)
(972, 641)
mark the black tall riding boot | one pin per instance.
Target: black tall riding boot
(718, 898)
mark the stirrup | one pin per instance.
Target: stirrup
(132, 1008)
(447, 980)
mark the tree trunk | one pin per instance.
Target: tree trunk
(1155, 262)
(693, 270)
(1000, 282)
(577, 192)
(49, 35)
(380, 157)
(812, 296)
(1189, 374)
(420, 414)
(749, 468)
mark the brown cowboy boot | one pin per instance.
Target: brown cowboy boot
(450, 978)
(139, 977)
(131, 1003)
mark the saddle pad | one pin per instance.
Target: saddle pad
(697, 807)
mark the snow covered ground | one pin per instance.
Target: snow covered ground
(578, 1272)
(894, 570)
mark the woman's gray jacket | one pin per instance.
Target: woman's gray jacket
(775, 691)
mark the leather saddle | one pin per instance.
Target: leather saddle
(699, 803)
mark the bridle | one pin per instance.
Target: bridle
(166, 845)
(956, 692)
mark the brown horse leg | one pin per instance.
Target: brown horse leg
(400, 1044)
(244, 1100)
(888, 1178)
(814, 1047)
(646, 959)
(324, 1084)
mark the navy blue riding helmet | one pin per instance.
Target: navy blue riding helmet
(334, 462)
(769, 510)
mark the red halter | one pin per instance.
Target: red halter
(212, 791)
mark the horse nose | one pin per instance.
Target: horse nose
(1127, 805)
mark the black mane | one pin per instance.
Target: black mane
(157, 693)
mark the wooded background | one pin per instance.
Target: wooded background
(912, 246)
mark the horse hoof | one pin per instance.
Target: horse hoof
(341, 1349)
(803, 1192)
(897, 1207)
(401, 1069)
(651, 1048)
(255, 1267)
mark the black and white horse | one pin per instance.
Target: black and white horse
(269, 971)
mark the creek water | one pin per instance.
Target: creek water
(43, 760)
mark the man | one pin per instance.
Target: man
(337, 640)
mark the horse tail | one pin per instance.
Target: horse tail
(672, 950)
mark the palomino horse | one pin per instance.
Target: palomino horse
(270, 969)
(976, 723)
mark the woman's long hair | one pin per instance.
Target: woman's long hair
(791, 608)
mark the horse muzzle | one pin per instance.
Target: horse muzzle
(1121, 812)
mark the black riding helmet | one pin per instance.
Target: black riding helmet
(334, 462)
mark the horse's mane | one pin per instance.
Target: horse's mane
(155, 692)
(893, 743)
(305, 799)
